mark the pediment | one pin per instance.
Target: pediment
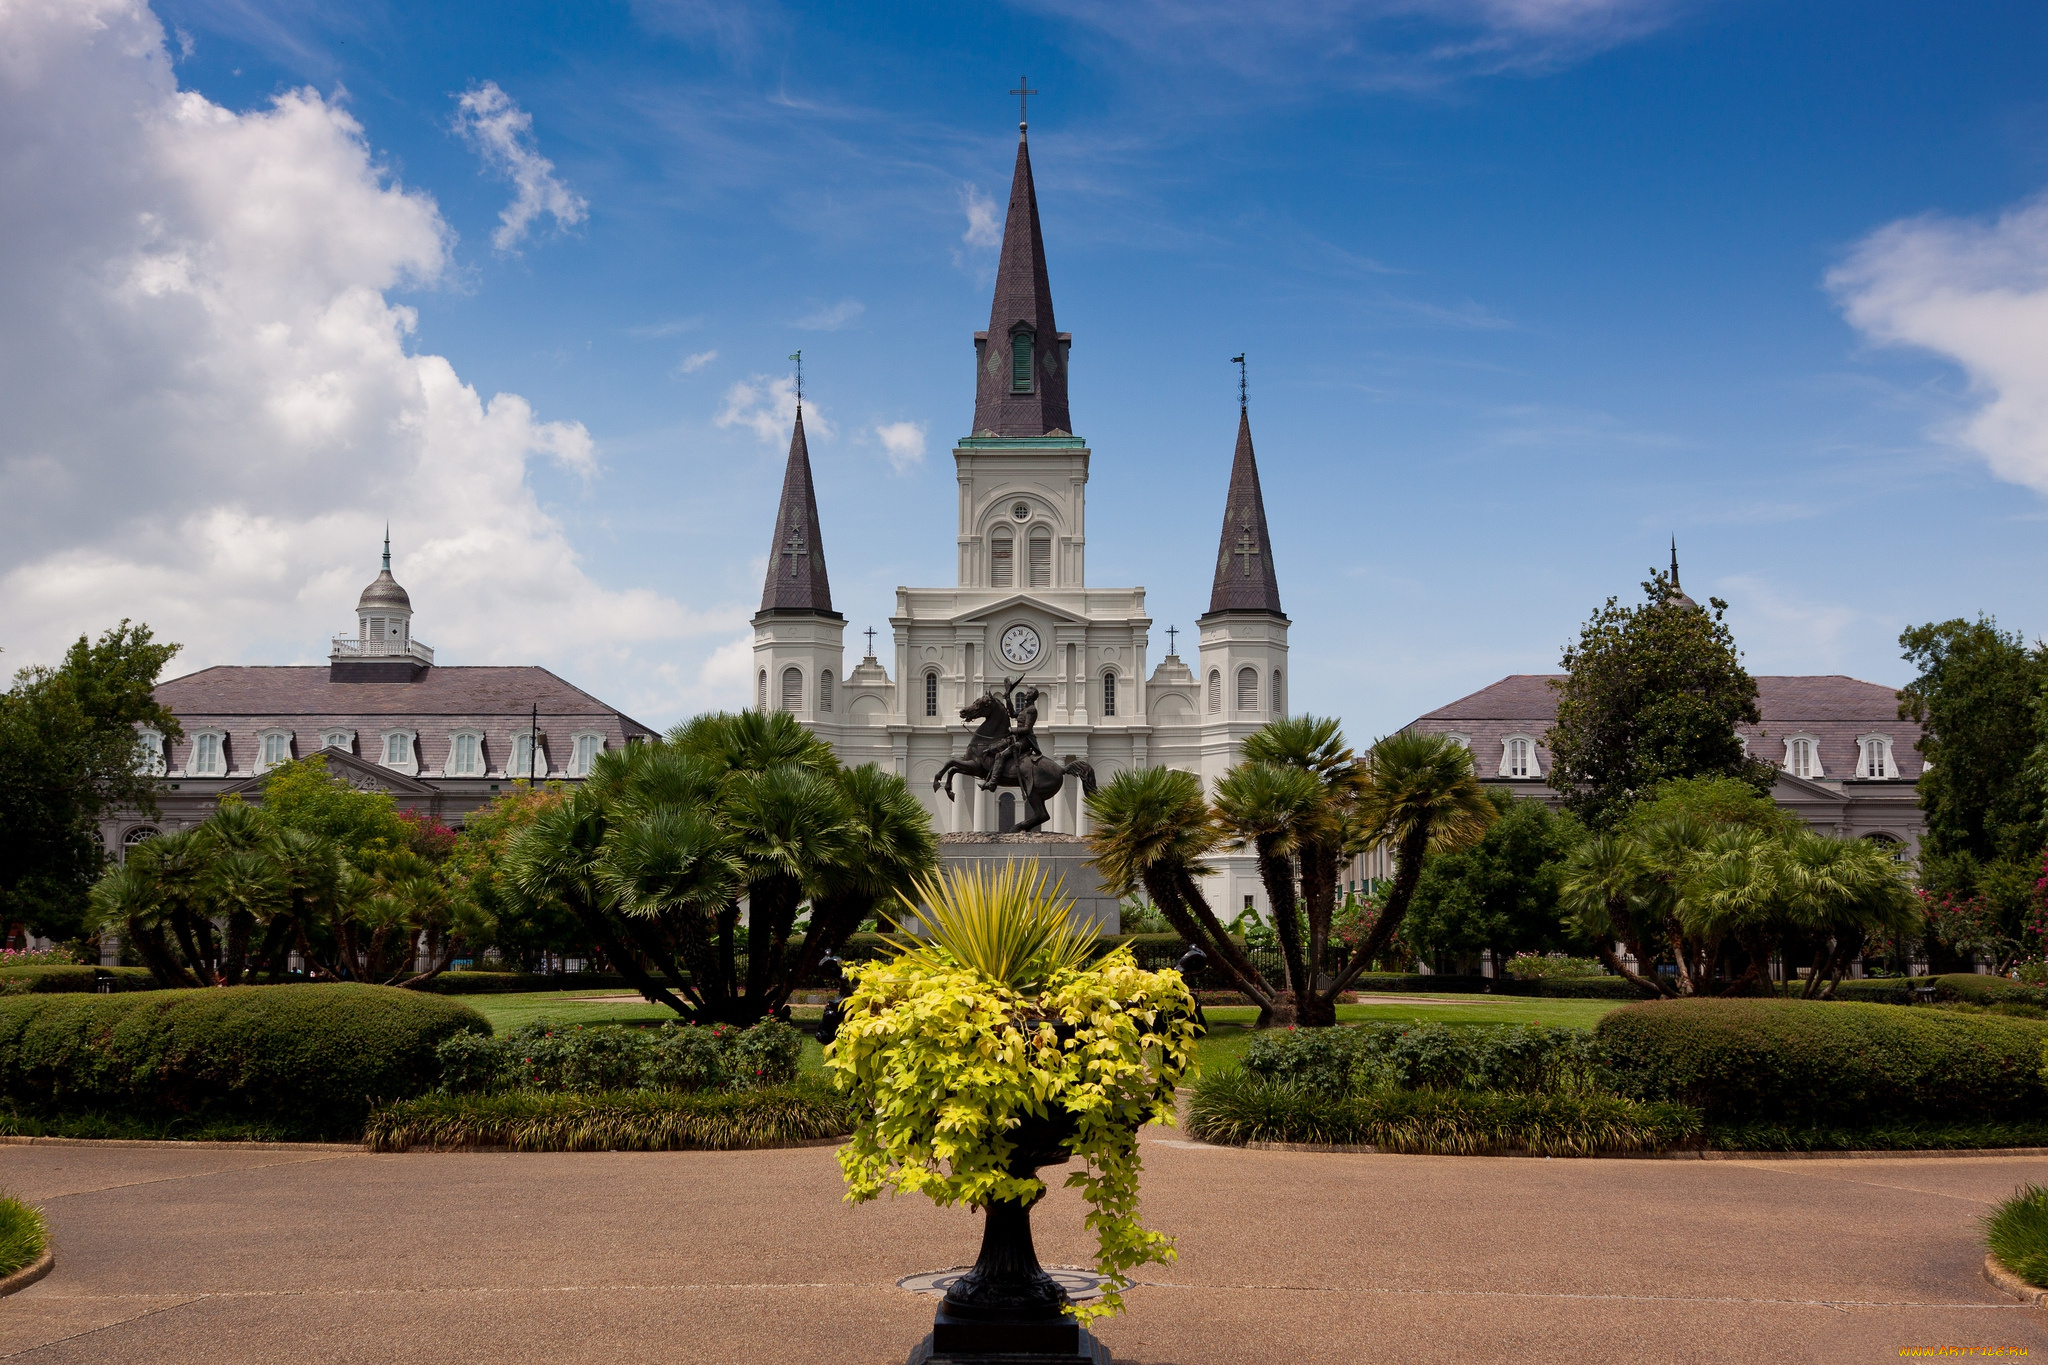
(1788, 785)
(359, 773)
(1021, 599)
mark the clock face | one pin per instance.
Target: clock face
(1020, 645)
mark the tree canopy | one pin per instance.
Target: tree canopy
(1499, 894)
(68, 755)
(1650, 693)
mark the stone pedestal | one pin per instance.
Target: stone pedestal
(1063, 857)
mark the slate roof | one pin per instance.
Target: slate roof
(246, 700)
(1023, 295)
(1245, 577)
(797, 581)
(1832, 709)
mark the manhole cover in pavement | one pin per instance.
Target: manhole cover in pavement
(1079, 1283)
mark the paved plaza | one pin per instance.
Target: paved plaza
(226, 1254)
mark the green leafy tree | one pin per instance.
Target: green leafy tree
(1501, 893)
(1650, 693)
(68, 756)
(521, 929)
(1978, 701)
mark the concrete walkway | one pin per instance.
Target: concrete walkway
(222, 1255)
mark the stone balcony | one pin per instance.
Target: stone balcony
(349, 647)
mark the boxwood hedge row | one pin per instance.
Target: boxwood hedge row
(1818, 1062)
(71, 978)
(311, 1060)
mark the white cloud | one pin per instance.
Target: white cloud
(984, 228)
(1976, 293)
(690, 364)
(673, 327)
(833, 318)
(212, 408)
(503, 133)
(768, 407)
(903, 442)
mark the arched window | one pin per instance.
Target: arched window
(1020, 362)
(209, 755)
(149, 752)
(931, 694)
(1802, 759)
(1002, 560)
(1041, 559)
(141, 834)
(825, 690)
(761, 693)
(1247, 689)
(1215, 692)
(465, 754)
(1109, 693)
(792, 688)
(1279, 709)
(1874, 757)
(1518, 757)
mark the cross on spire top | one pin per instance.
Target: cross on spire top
(871, 641)
(1023, 92)
(1242, 401)
(799, 359)
(1171, 632)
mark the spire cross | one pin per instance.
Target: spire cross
(1242, 401)
(1171, 632)
(871, 642)
(799, 359)
(793, 547)
(1247, 550)
(1023, 92)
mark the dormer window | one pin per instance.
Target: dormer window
(583, 751)
(1518, 757)
(272, 748)
(1020, 362)
(344, 740)
(465, 754)
(523, 746)
(1874, 757)
(1802, 757)
(397, 752)
(149, 753)
(209, 755)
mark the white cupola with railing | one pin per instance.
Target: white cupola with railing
(383, 622)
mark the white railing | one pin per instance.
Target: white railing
(349, 647)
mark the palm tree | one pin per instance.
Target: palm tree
(127, 898)
(244, 886)
(1417, 795)
(788, 828)
(1844, 891)
(1275, 810)
(1602, 886)
(1736, 887)
(177, 864)
(1150, 827)
(1315, 744)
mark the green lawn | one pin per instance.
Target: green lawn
(578, 1007)
(1230, 1026)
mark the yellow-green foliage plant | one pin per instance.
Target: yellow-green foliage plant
(994, 1014)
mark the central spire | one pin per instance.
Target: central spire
(1021, 387)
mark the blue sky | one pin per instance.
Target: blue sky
(1527, 286)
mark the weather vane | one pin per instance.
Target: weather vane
(799, 359)
(1023, 92)
(1238, 360)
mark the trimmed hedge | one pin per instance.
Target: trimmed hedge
(510, 983)
(542, 1056)
(1235, 1107)
(71, 978)
(312, 1059)
(630, 1121)
(1358, 1058)
(1883, 990)
(1977, 989)
(1814, 1062)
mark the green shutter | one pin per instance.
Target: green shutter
(1020, 363)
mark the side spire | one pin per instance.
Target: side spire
(1245, 579)
(1021, 385)
(796, 579)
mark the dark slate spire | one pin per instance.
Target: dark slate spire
(1245, 580)
(796, 556)
(1023, 303)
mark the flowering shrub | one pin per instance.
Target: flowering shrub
(1532, 966)
(37, 957)
(944, 1061)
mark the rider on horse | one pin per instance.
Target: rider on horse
(1023, 737)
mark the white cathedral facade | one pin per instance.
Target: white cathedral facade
(1022, 606)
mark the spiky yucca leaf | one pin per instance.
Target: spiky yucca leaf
(1008, 925)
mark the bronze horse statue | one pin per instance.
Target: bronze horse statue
(1038, 777)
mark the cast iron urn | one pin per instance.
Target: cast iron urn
(1007, 1310)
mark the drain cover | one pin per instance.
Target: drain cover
(1079, 1284)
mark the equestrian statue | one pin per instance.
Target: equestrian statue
(1004, 753)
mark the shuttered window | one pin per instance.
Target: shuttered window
(1041, 561)
(1279, 698)
(1215, 692)
(761, 693)
(1248, 689)
(825, 690)
(792, 689)
(1002, 558)
(1020, 363)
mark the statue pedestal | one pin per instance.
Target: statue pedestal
(1062, 856)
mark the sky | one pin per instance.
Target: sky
(1527, 289)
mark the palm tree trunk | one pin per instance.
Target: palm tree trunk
(240, 923)
(779, 896)
(1190, 892)
(1613, 962)
(1278, 875)
(1319, 897)
(1847, 946)
(1221, 949)
(1407, 876)
(598, 925)
(728, 967)
(156, 954)
(181, 925)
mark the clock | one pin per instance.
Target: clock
(1020, 645)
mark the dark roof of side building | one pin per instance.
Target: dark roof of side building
(245, 701)
(1833, 710)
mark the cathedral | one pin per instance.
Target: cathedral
(1022, 607)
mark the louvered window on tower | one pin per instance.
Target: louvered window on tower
(1279, 708)
(931, 694)
(1041, 561)
(825, 690)
(1215, 691)
(1020, 363)
(1248, 689)
(761, 693)
(1002, 558)
(792, 689)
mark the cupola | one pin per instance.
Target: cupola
(383, 649)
